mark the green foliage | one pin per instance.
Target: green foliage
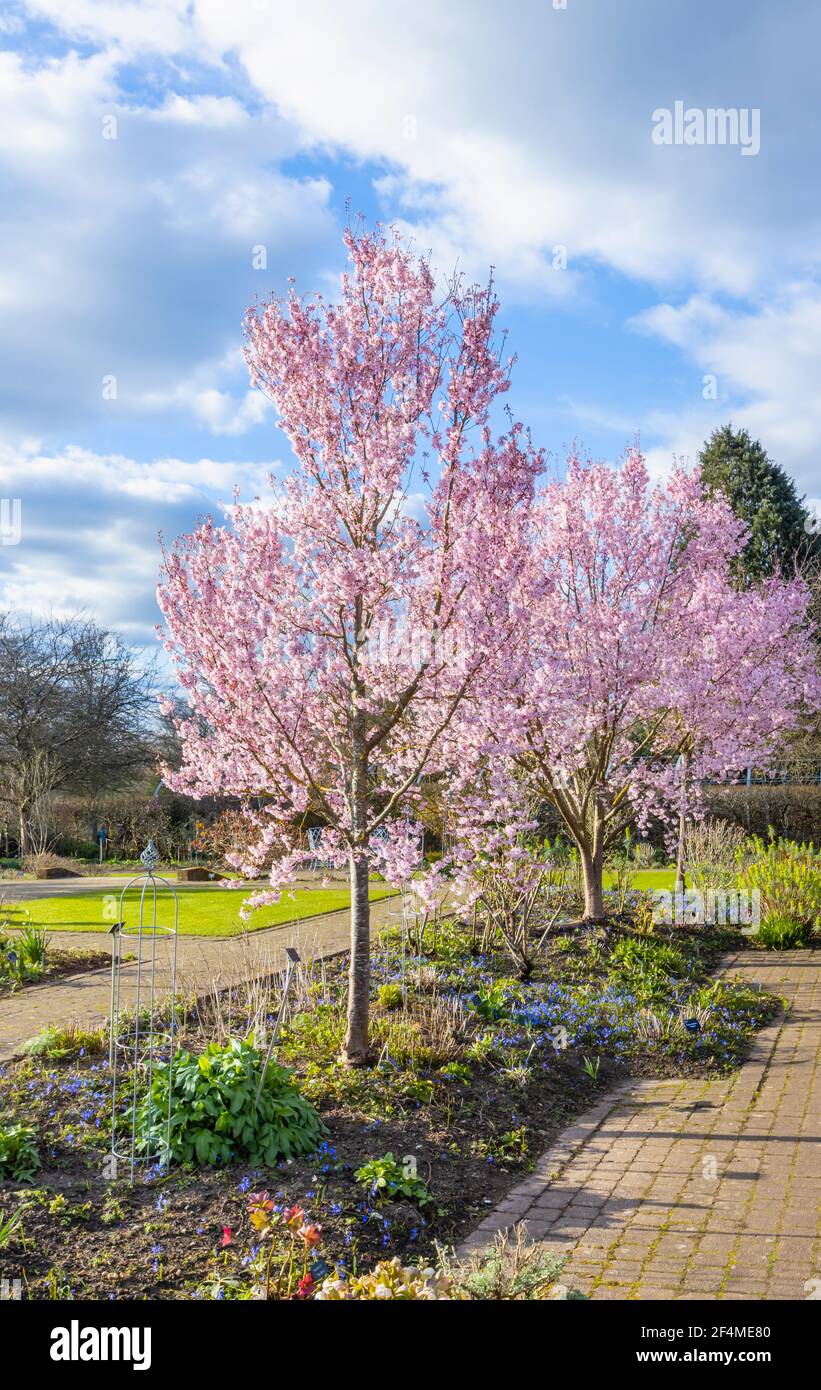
(592, 1066)
(390, 996)
(32, 946)
(763, 496)
(19, 1156)
(788, 877)
(632, 954)
(77, 849)
(514, 1269)
(14, 1222)
(780, 932)
(647, 967)
(57, 1044)
(390, 1180)
(492, 1002)
(457, 1071)
(215, 1116)
(22, 957)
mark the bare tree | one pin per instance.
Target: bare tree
(77, 714)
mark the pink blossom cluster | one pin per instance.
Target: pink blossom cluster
(337, 644)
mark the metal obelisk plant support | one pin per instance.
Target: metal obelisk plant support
(149, 1039)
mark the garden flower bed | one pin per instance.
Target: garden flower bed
(474, 1073)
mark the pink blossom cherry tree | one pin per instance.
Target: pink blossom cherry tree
(649, 671)
(328, 637)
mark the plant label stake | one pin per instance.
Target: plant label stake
(114, 931)
(292, 956)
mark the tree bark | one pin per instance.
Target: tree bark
(593, 872)
(357, 1049)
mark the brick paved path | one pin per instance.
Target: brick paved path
(695, 1189)
(202, 962)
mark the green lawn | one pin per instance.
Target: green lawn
(203, 911)
(645, 879)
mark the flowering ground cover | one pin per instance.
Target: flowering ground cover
(474, 1071)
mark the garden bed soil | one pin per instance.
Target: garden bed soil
(62, 963)
(188, 1233)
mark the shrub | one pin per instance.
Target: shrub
(59, 1043)
(40, 862)
(513, 1269)
(386, 1178)
(19, 1157)
(76, 849)
(215, 1116)
(788, 877)
(711, 851)
(390, 996)
(780, 932)
(792, 810)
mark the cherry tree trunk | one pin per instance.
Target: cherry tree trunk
(357, 1051)
(359, 971)
(593, 872)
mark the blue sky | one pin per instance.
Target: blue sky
(493, 134)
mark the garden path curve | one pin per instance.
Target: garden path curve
(694, 1189)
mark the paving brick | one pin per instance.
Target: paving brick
(634, 1208)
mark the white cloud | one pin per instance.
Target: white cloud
(511, 131)
(133, 256)
(506, 132)
(767, 365)
(103, 555)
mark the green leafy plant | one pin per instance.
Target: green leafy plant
(457, 1071)
(32, 947)
(647, 967)
(19, 1156)
(14, 1222)
(390, 996)
(513, 1269)
(216, 1115)
(591, 1067)
(780, 932)
(390, 1180)
(492, 1002)
(788, 878)
(71, 1041)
